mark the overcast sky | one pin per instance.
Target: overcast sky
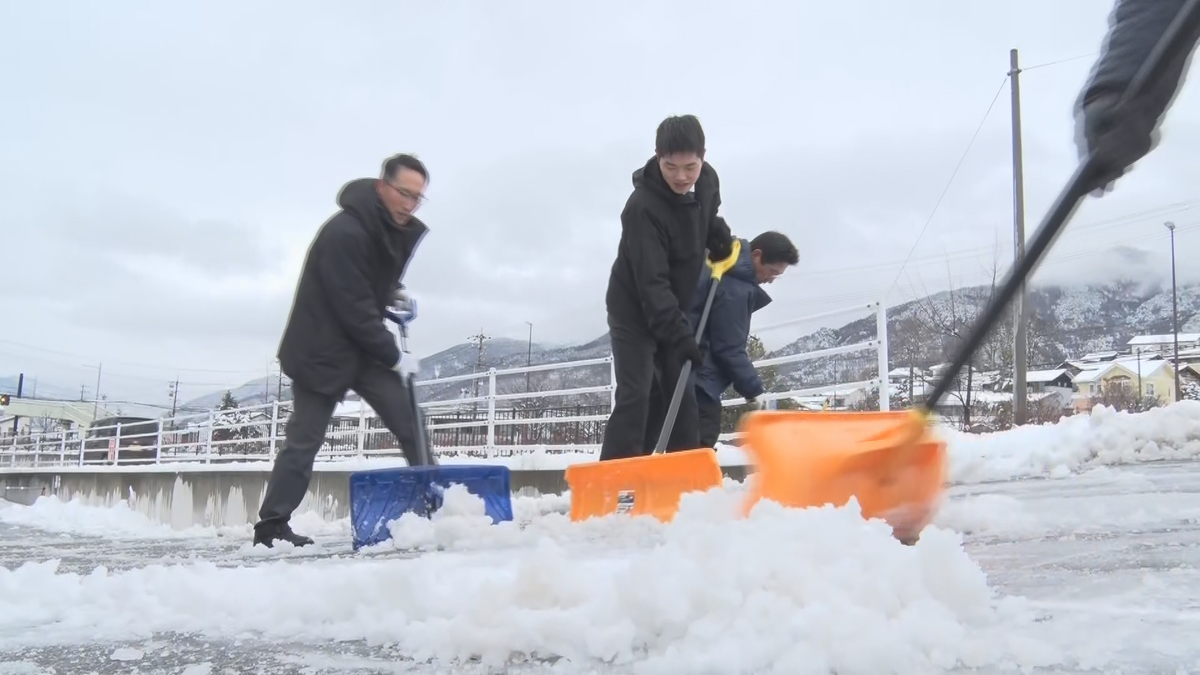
(166, 164)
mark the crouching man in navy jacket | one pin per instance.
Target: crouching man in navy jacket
(739, 295)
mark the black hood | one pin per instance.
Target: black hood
(359, 198)
(650, 177)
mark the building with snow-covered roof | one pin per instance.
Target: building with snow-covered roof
(1163, 344)
(1038, 380)
(1144, 377)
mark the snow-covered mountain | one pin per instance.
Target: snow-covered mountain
(1065, 321)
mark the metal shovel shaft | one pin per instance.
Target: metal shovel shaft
(684, 373)
(1170, 45)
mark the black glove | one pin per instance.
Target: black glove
(688, 350)
(1117, 137)
(720, 240)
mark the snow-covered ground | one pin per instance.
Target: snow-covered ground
(1066, 548)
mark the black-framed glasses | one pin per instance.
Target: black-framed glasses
(419, 199)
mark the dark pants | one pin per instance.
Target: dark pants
(709, 413)
(382, 389)
(646, 374)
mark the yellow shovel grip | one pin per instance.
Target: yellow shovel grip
(720, 267)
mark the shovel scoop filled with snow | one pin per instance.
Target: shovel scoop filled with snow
(380, 496)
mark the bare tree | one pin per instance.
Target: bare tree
(1121, 394)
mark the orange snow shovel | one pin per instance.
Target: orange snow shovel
(652, 484)
(892, 461)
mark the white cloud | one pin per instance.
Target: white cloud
(167, 166)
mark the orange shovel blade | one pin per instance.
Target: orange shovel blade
(648, 485)
(889, 461)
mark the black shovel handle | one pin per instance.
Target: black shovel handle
(684, 373)
(424, 455)
(1169, 46)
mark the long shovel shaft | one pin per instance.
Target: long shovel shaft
(684, 373)
(1171, 45)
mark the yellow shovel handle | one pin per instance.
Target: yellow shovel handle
(720, 267)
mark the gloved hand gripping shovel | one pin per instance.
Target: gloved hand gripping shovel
(891, 461)
(379, 497)
(652, 484)
(424, 453)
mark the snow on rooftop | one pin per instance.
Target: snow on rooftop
(1044, 375)
(1158, 340)
(784, 590)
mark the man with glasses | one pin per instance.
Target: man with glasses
(727, 333)
(336, 340)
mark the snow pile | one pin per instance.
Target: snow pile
(795, 591)
(1104, 437)
(118, 521)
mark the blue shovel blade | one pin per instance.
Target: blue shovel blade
(380, 496)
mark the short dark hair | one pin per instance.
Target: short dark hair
(393, 164)
(679, 134)
(776, 248)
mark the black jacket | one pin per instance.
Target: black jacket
(662, 251)
(1135, 26)
(728, 329)
(352, 269)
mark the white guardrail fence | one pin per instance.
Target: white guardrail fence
(513, 416)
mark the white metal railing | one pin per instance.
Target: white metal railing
(510, 418)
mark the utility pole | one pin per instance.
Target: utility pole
(96, 405)
(1174, 312)
(478, 339)
(20, 390)
(1139, 367)
(529, 356)
(1020, 302)
(173, 390)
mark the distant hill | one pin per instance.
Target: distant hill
(8, 385)
(1066, 321)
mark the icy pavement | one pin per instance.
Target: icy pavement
(1063, 565)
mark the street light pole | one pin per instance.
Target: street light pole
(529, 356)
(1174, 311)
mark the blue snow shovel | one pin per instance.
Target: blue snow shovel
(379, 496)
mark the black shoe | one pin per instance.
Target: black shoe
(269, 532)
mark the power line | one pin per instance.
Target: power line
(1120, 221)
(132, 364)
(949, 182)
(1055, 63)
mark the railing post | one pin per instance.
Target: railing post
(274, 426)
(362, 428)
(12, 457)
(491, 419)
(37, 449)
(612, 382)
(208, 438)
(62, 448)
(881, 329)
(116, 458)
(82, 442)
(158, 441)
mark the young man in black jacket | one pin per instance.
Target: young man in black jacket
(727, 333)
(668, 223)
(336, 340)
(1120, 136)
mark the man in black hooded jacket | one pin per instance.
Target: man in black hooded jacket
(668, 223)
(1122, 135)
(336, 339)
